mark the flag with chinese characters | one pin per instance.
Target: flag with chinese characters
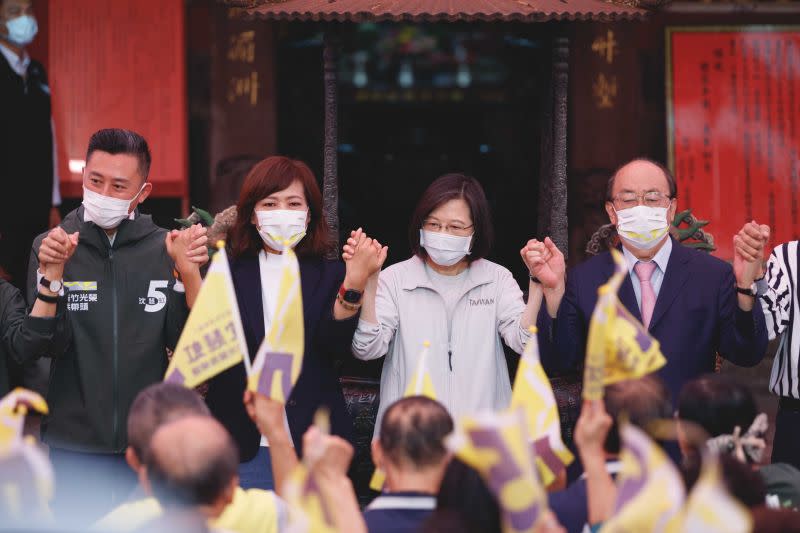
(279, 359)
(26, 475)
(420, 385)
(650, 490)
(619, 347)
(497, 445)
(212, 339)
(710, 508)
(533, 393)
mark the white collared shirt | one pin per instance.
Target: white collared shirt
(269, 268)
(20, 66)
(661, 259)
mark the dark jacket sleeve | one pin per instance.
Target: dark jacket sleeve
(26, 338)
(177, 313)
(568, 332)
(743, 334)
(336, 336)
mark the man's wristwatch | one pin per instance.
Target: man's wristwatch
(350, 298)
(53, 286)
(748, 291)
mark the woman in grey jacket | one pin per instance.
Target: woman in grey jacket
(449, 295)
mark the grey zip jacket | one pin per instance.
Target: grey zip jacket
(122, 311)
(466, 361)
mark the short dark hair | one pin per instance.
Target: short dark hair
(269, 176)
(119, 141)
(156, 405)
(452, 187)
(673, 187)
(642, 401)
(194, 481)
(413, 431)
(464, 503)
(717, 403)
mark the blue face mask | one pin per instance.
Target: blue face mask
(22, 30)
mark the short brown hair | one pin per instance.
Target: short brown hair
(452, 187)
(643, 400)
(269, 176)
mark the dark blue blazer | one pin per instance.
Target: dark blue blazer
(325, 340)
(696, 315)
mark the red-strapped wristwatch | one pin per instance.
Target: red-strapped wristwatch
(350, 298)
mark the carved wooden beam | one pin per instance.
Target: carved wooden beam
(559, 231)
(330, 183)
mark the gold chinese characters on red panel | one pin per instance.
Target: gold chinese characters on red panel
(733, 106)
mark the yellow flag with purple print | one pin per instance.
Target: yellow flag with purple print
(650, 490)
(308, 510)
(497, 445)
(618, 347)
(534, 395)
(212, 340)
(26, 475)
(279, 359)
(710, 508)
(420, 385)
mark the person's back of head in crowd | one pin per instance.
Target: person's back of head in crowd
(192, 467)
(717, 404)
(154, 406)
(410, 447)
(641, 401)
(464, 503)
(766, 520)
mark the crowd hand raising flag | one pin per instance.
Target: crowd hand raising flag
(497, 445)
(619, 347)
(212, 339)
(318, 492)
(279, 359)
(534, 395)
(650, 490)
(26, 476)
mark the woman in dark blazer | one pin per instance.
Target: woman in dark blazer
(280, 204)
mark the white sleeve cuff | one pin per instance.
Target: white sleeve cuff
(178, 287)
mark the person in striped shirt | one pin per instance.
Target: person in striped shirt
(778, 292)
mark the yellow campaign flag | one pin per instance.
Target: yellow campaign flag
(498, 447)
(308, 511)
(13, 408)
(279, 359)
(420, 385)
(26, 475)
(212, 339)
(650, 490)
(534, 395)
(710, 508)
(618, 347)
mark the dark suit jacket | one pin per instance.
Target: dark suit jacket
(696, 315)
(325, 339)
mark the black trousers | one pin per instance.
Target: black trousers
(786, 447)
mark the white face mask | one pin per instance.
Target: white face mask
(642, 226)
(282, 227)
(22, 30)
(443, 249)
(105, 211)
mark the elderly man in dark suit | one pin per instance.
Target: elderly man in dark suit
(695, 304)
